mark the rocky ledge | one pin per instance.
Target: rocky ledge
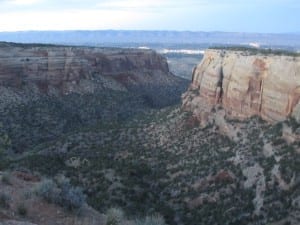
(245, 85)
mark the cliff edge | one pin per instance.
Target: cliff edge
(61, 70)
(245, 85)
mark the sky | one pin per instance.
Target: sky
(260, 16)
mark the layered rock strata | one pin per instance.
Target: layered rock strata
(65, 69)
(245, 85)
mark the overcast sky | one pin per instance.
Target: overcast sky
(264, 16)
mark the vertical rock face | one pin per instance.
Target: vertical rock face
(64, 70)
(59, 66)
(245, 85)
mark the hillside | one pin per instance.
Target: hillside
(165, 162)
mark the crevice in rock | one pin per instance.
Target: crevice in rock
(194, 74)
(293, 100)
(229, 78)
(219, 89)
(261, 95)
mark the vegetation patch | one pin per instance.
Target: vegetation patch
(62, 193)
(256, 51)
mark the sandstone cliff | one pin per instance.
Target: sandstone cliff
(64, 70)
(245, 85)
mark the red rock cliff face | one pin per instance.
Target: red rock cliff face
(62, 66)
(61, 70)
(245, 85)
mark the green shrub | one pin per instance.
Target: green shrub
(5, 142)
(155, 219)
(115, 216)
(72, 198)
(254, 51)
(27, 194)
(49, 191)
(5, 179)
(61, 193)
(22, 210)
(4, 200)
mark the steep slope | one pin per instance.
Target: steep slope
(164, 162)
(245, 85)
(23, 206)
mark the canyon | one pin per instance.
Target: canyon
(87, 131)
(58, 89)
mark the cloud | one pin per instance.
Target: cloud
(127, 4)
(69, 20)
(23, 2)
(232, 15)
(148, 4)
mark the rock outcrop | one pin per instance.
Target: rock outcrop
(245, 85)
(66, 69)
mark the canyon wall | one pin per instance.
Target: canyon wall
(245, 85)
(64, 69)
(60, 66)
(47, 91)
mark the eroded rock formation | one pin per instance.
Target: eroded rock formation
(245, 85)
(58, 64)
(65, 69)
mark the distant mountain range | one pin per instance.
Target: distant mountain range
(106, 37)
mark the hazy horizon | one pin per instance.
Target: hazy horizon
(255, 16)
(151, 30)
